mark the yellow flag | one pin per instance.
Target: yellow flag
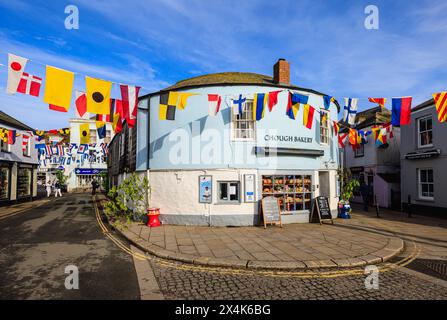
(84, 133)
(98, 95)
(58, 88)
(182, 100)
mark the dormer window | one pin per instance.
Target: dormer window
(243, 125)
(425, 132)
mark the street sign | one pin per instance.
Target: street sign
(89, 171)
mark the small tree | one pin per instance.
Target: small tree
(128, 200)
(349, 184)
(61, 178)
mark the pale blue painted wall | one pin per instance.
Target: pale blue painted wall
(197, 110)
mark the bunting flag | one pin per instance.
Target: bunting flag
(11, 136)
(341, 140)
(16, 67)
(380, 101)
(98, 95)
(214, 101)
(101, 128)
(381, 137)
(81, 105)
(353, 135)
(49, 150)
(308, 116)
(65, 131)
(327, 101)
(105, 149)
(40, 146)
(336, 127)
(129, 98)
(58, 88)
(401, 111)
(273, 99)
(116, 111)
(60, 150)
(259, 102)
(84, 133)
(350, 110)
(183, 99)
(293, 104)
(441, 105)
(29, 85)
(83, 148)
(105, 117)
(25, 141)
(168, 103)
(238, 105)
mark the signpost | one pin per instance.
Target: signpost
(321, 210)
(270, 211)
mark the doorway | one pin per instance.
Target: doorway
(325, 186)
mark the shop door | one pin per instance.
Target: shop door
(325, 187)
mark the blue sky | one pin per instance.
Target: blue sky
(158, 42)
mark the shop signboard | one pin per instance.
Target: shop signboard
(89, 171)
(271, 212)
(321, 210)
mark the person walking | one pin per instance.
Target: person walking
(48, 186)
(57, 188)
(94, 186)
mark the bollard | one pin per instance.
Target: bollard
(409, 206)
(377, 206)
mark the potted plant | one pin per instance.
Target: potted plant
(348, 186)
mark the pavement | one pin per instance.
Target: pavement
(297, 246)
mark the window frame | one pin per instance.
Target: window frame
(420, 145)
(228, 183)
(359, 155)
(233, 122)
(326, 127)
(420, 183)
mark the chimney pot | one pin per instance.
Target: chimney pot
(281, 72)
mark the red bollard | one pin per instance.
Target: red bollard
(153, 214)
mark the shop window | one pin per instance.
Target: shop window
(4, 183)
(92, 136)
(359, 151)
(4, 147)
(243, 125)
(324, 126)
(425, 132)
(24, 182)
(228, 191)
(425, 184)
(293, 191)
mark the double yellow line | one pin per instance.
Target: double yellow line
(296, 274)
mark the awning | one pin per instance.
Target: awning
(288, 152)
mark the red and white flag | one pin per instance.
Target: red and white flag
(342, 140)
(29, 84)
(25, 141)
(81, 105)
(214, 101)
(129, 97)
(16, 66)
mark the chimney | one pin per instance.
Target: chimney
(281, 72)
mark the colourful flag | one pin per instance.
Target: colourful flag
(117, 123)
(16, 66)
(380, 101)
(273, 99)
(25, 141)
(350, 110)
(341, 140)
(98, 95)
(11, 137)
(293, 104)
(83, 148)
(238, 105)
(214, 101)
(308, 116)
(58, 88)
(183, 98)
(84, 133)
(259, 102)
(441, 105)
(129, 98)
(81, 105)
(336, 127)
(353, 136)
(60, 150)
(101, 128)
(167, 106)
(327, 101)
(29, 85)
(401, 111)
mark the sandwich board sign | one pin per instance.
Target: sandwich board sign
(321, 211)
(271, 213)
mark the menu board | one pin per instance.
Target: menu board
(321, 210)
(271, 213)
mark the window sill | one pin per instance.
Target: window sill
(227, 203)
(426, 146)
(425, 199)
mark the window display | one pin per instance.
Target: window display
(24, 182)
(293, 191)
(4, 183)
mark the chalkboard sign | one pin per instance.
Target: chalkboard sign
(270, 211)
(321, 210)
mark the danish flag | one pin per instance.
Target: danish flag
(29, 84)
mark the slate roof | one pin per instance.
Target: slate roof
(233, 78)
(6, 119)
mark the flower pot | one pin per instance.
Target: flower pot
(343, 210)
